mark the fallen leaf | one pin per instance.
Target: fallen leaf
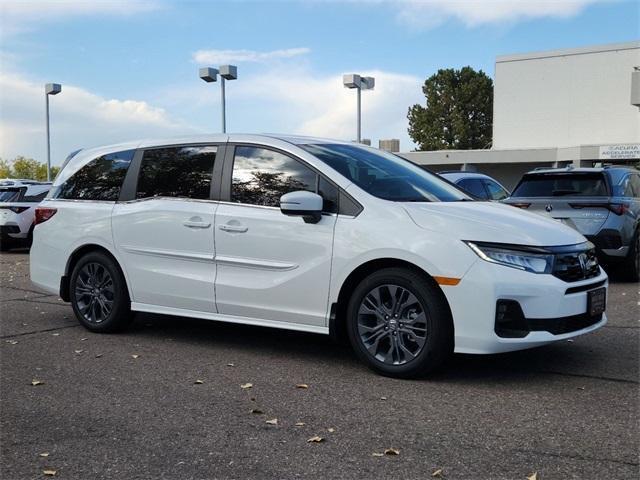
(50, 473)
(376, 454)
(257, 411)
(533, 476)
(198, 382)
(299, 424)
(246, 385)
(437, 473)
(78, 352)
(44, 454)
(135, 356)
(392, 451)
(273, 421)
(302, 385)
(315, 439)
(35, 382)
(12, 342)
(331, 430)
(231, 364)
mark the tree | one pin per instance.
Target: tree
(5, 168)
(28, 168)
(458, 113)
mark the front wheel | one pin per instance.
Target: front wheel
(632, 262)
(99, 295)
(399, 323)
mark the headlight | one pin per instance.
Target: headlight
(522, 258)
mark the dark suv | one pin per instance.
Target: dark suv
(601, 203)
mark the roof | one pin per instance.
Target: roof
(457, 175)
(612, 47)
(579, 170)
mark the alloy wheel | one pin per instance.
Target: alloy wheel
(94, 292)
(392, 324)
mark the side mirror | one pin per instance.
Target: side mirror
(307, 205)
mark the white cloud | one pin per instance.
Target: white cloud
(424, 14)
(17, 16)
(78, 119)
(308, 104)
(241, 56)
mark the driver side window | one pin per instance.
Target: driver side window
(261, 176)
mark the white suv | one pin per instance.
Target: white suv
(314, 235)
(18, 199)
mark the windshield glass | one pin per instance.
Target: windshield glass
(385, 175)
(564, 184)
(9, 194)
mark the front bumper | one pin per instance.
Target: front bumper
(554, 303)
(10, 231)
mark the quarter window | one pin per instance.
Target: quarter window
(100, 179)
(183, 172)
(474, 187)
(262, 176)
(496, 192)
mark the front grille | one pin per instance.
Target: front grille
(576, 266)
(510, 321)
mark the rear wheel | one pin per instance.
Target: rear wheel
(399, 324)
(98, 294)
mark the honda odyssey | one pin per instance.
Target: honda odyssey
(313, 235)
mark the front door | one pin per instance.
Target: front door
(270, 266)
(165, 235)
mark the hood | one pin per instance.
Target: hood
(491, 222)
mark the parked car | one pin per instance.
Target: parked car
(313, 235)
(478, 185)
(18, 199)
(601, 203)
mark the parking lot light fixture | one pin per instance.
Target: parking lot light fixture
(49, 89)
(227, 72)
(353, 80)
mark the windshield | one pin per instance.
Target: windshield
(385, 175)
(9, 194)
(564, 184)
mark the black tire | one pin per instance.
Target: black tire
(29, 240)
(94, 316)
(438, 340)
(631, 269)
(5, 245)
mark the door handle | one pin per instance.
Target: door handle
(196, 224)
(233, 228)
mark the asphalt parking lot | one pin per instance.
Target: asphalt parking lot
(165, 400)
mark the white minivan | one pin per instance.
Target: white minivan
(314, 235)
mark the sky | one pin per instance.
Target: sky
(129, 69)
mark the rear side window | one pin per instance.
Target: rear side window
(183, 172)
(474, 187)
(262, 176)
(100, 179)
(564, 184)
(10, 194)
(36, 197)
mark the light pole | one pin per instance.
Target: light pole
(50, 89)
(360, 83)
(227, 72)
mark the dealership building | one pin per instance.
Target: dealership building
(577, 107)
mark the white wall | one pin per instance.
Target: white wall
(566, 98)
